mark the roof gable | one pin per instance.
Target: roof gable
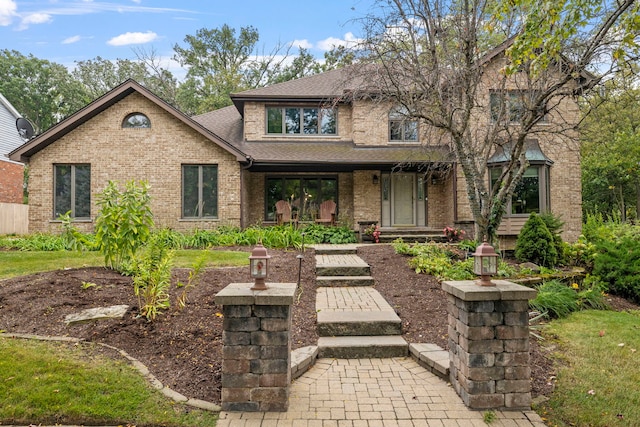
(93, 109)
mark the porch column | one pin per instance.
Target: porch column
(489, 343)
(256, 366)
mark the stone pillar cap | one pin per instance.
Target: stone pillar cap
(242, 294)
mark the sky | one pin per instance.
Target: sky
(66, 31)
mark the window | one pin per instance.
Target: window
(72, 191)
(199, 191)
(303, 193)
(136, 120)
(506, 106)
(401, 127)
(298, 120)
(531, 194)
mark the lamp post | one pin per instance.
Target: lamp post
(258, 265)
(485, 264)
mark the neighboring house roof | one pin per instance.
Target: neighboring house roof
(99, 105)
(9, 136)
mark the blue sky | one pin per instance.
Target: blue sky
(64, 31)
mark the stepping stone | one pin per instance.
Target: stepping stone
(341, 265)
(324, 249)
(99, 313)
(350, 323)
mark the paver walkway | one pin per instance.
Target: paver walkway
(369, 392)
(374, 393)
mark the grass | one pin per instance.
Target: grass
(55, 383)
(21, 263)
(598, 383)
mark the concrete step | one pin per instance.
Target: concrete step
(362, 347)
(355, 323)
(344, 281)
(341, 265)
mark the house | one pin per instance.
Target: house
(301, 141)
(11, 172)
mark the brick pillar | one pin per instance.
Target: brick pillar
(489, 343)
(256, 366)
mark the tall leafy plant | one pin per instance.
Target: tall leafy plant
(152, 277)
(124, 222)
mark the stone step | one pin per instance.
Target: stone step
(331, 281)
(341, 265)
(431, 357)
(354, 323)
(326, 249)
(362, 347)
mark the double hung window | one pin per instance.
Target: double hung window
(401, 126)
(199, 191)
(72, 190)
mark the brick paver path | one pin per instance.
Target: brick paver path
(374, 393)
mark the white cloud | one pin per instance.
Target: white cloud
(133, 38)
(34, 18)
(349, 40)
(7, 11)
(70, 40)
(137, 1)
(302, 44)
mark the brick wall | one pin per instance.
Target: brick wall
(118, 154)
(11, 180)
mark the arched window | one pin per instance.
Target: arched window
(401, 126)
(136, 120)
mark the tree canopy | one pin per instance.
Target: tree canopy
(431, 57)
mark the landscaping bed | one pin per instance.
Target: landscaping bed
(183, 349)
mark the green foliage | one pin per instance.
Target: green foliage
(582, 253)
(152, 277)
(73, 239)
(124, 222)
(35, 242)
(194, 279)
(535, 243)
(558, 300)
(322, 234)
(618, 266)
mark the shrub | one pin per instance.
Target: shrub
(618, 265)
(535, 243)
(555, 299)
(152, 277)
(123, 223)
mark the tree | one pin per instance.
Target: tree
(44, 92)
(215, 59)
(611, 148)
(431, 58)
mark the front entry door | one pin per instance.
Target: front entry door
(403, 199)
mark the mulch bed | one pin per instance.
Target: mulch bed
(183, 349)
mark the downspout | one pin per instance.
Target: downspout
(243, 169)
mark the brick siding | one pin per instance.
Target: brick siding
(11, 181)
(155, 155)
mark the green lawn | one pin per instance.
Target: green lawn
(20, 263)
(598, 383)
(56, 383)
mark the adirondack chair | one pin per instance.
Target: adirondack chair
(327, 213)
(283, 213)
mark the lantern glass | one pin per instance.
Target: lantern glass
(485, 262)
(259, 267)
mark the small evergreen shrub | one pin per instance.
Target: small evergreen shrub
(618, 265)
(536, 244)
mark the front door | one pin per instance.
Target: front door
(403, 192)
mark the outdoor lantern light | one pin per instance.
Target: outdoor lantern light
(485, 264)
(258, 264)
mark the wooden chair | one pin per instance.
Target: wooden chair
(327, 213)
(283, 213)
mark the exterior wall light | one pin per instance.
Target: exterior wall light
(259, 265)
(375, 179)
(485, 264)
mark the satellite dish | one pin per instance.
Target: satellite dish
(25, 128)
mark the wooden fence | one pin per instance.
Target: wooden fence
(14, 218)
